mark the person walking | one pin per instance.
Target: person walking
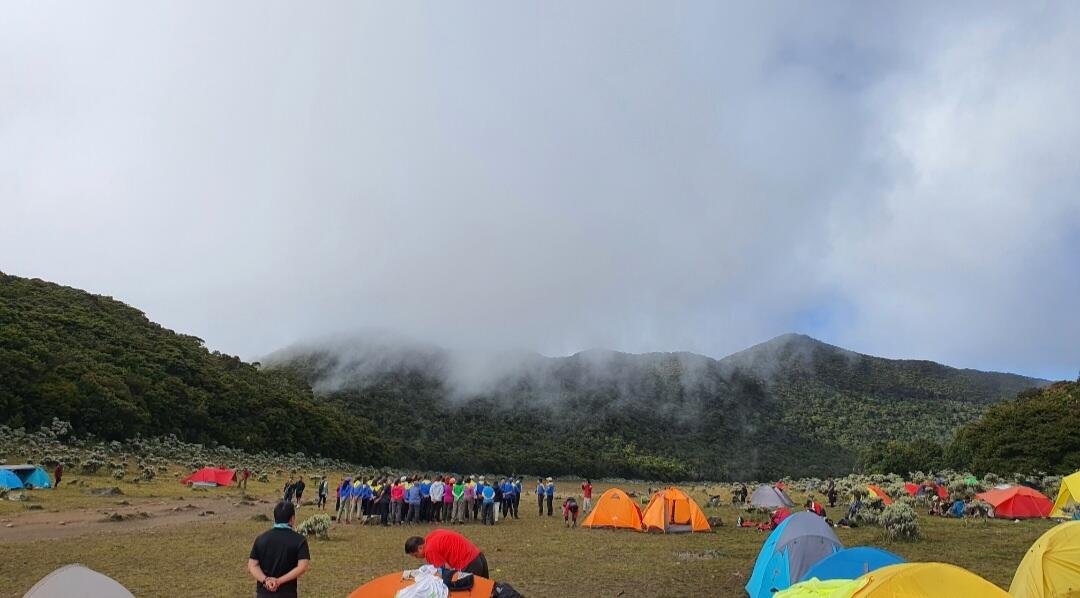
(298, 490)
(549, 492)
(324, 490)
(445, 548)
(280, 556)
(289, 489)
(58, 473)
(586, 493)
(540, 497)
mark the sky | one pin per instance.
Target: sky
(900, 179)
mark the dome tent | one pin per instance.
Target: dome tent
(852, 563)
(769, 497)
(673, 511)
(614, 509)
(796, 545)
(77, 581)
(1051, 566)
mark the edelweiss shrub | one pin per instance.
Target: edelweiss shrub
(316, 525)
(900, 522)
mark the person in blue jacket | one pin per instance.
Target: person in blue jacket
(412, 498)
(488, 494)
(540, 496)
(425, 500)
(507, 498)
(549, 491)
(517, 497)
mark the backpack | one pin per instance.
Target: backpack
(505, 590)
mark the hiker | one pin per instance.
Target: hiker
(488, 494)
(586, 494)
(517, 497)
(447, 548)
(540, 496)
(569, 507)
(549, 491)
(244, 475)
(447, 500)
(497, 506)
(337, 504)
(830, 493)
(289, 489)
(279, 556)
(58, 473)
(412, 496)
(344, 510)
(384, 499)
(856, 505)
(435, 496)
(457, 491)
(356, 494)
(469, 497)
(298, 490)
(324, 489)
(425, 499)
(478, 499)
(397, 500)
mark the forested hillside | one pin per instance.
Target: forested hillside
(791, 406)
(107, 369)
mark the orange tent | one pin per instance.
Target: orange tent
(672, 510)
(879, 492)
(388, 586)
(616, 510)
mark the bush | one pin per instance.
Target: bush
(900, 522)
(316, 525)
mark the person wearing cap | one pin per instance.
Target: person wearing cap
(549, 491)
(445, 548)
(540, 496)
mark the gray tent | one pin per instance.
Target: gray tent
(76, 581)
(768, 497)
(798, 543)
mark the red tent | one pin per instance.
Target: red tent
(912, 489)
(211, 475)
(1017, 502)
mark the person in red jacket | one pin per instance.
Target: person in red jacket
(445, 548)
(586, 492)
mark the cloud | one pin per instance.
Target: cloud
(557, 177)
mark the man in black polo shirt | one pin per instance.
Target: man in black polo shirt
(280, 556)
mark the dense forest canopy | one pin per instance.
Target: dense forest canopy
(791, 406)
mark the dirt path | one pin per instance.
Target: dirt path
(139, 514)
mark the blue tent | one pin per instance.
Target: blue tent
(29, 475)
(9, 480)
(797, 544)
(852, 563)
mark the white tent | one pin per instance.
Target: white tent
(76, 581)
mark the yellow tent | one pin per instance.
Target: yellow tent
(1051, 566)
(614, 509)
(1070, 489)
(926, 580)
(672, 510)
(817, 588)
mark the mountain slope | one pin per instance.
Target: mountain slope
(110, 371)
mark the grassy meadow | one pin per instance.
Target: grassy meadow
(206, 556)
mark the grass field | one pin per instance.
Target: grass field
(206, 556)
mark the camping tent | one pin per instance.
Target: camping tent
(1051, 566)
(926, 579)
(851, 563)
(31, 476)
(790, 550)
(614, 509)
(822, 588)
(879, 492)
(1017, 502)
(771, 498)
(1070, 489)
(9, 480)
(211, 475)
(76, 581)
(672, 510)
(389, 585)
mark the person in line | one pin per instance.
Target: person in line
(586, 494)
(447, 500)
(549, 491)
(508, 498)
(357, 496)
(498, 505)
(384, 501)
(298, 490)
(58, 473)
(425, 499)
(517, 497)
(470, 498)
(457, 491)
(344, 511)
(324, 490)
(397, 501)
(540, 497)
(444, 548)
(412, 496)
(488, 494)
(478, 499)
(435, 495)
(569, 509)
(280, 556)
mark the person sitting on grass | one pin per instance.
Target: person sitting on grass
(569, 509)
(279, 556)
(445, 548)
